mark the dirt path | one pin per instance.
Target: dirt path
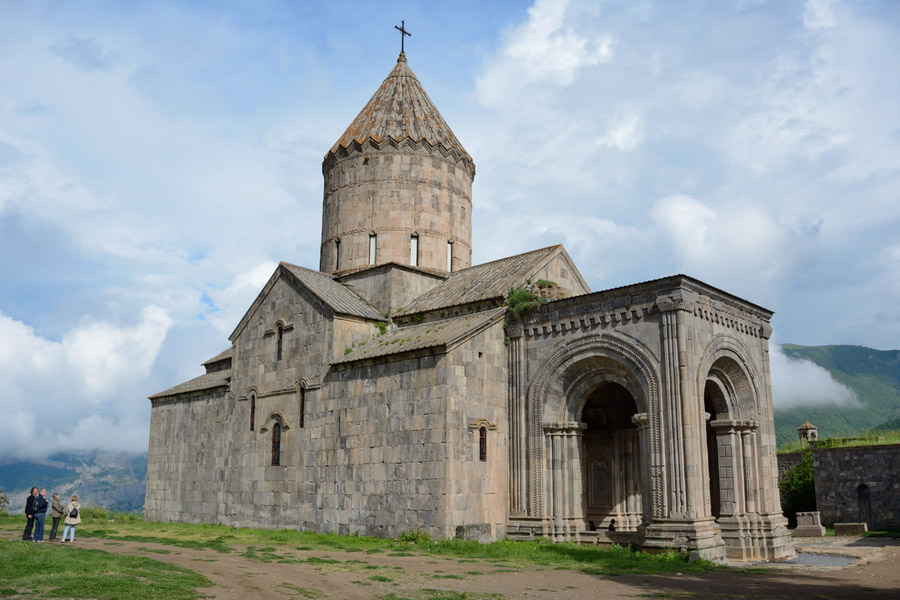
(357, 575)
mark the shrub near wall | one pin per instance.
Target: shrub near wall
(798, 488)
(858, 484)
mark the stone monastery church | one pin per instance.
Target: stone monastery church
(394, 389)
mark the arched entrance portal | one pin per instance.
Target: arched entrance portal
(732, 457)
(610, 459)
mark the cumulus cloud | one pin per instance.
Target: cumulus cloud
(712, 240)
(228, 305)
(549, 48)
(57, 394)
(799, 382)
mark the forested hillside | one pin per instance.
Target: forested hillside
(873, 374)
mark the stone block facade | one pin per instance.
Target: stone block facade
(859, 484)
(420, 191)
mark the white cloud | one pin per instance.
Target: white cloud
(550, 48)
(798, 382)
(54, 388)
(818, 14)
(232, 302)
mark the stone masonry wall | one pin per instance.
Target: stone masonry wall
(840, 471)
(385, 446)
(184, 458)
(478, 491)
(395, 192)
(788, 461)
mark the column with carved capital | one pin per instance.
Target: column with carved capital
(686, 522)
(563, 500)
(518, 425)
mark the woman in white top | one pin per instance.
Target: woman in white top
(72, 508)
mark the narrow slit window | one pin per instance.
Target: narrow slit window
(276, 444)
(302, 407)
(372, 244)
(482, 444)
(279, 353)
(337, 255)
(449, 256)
(414, 250)
(252, 412)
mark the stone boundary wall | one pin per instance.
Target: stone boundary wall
(788, 461)
(840, 473)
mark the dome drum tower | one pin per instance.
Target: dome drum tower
(398, 186)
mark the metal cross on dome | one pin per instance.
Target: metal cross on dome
(403, 34)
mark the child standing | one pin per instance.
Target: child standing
(73, 518)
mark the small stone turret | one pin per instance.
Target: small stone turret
(398, 185)
(808, 431)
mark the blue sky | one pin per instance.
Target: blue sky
(157, 159)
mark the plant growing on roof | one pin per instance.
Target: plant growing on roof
(521, 300)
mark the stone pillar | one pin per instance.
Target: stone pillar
(518, 428)
(563, 500)
(647, 491)
(683, 524)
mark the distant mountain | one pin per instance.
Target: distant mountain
(112, 480)
(873, 374)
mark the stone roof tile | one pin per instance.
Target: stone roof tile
(433, 334)
(483, 282)
(207, 381)
(220, 356)
(400, 109)
(338, 296)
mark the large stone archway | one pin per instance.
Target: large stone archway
(610, 459)
(589, 438)
(734, 458)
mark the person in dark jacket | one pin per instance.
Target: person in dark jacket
(57, 511)
(40, 513)
(29, 514)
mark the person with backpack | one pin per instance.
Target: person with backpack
(73, 518)
(29, 514)
(40, 514)
(57, 512)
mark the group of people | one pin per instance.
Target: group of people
(36, 507)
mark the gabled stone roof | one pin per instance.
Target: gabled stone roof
(339, 297)
(220, 356)
(207, 381)
(483, 282)
(434, 334)
(399, 110)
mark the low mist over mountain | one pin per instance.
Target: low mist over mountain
(110, 480)
(873, 377)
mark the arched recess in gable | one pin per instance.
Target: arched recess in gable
(612, 382)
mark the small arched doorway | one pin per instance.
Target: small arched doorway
(610, 459)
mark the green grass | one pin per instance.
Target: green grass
(269, 545)
(51, 571)
(889, 533)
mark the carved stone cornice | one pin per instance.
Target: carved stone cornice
(735, 425)
(677, 300)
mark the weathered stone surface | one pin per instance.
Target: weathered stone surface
(809, 524)
(850, 528)
(643, 411)
(859, 484)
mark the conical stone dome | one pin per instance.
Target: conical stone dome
(398, 185)
(400, 110)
